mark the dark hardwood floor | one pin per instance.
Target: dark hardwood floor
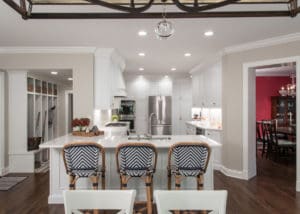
(272, 191)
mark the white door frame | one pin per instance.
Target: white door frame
(249, 157)
(67, 92)
(2, 130)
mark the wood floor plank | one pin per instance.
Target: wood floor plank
(271, 192)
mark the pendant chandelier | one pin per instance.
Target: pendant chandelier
(289, 89)
(164, 29)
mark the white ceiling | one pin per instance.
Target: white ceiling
(161, 56)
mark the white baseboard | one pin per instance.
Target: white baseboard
(55, 199)
(4, 171)
(231, 172)
(298, 186)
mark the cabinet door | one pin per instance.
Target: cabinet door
(195, 90)
(201, 94)
(216, 136)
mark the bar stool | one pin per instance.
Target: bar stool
(188, 160)
(137, 160)
(84, 160)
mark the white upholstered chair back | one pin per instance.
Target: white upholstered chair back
(190, 200)
(75, 200)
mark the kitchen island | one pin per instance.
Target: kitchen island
(59, 178)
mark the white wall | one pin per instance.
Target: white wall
(232, 97)
(140, 87)
(82, 65)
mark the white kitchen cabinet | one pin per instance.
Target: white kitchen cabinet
(195, 90)
(181, 105)
(207, 87)
(216, 136)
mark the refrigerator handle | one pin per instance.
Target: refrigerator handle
(160, 111)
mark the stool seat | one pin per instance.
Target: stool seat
(136, 172)
(186, 172)
(85, 173)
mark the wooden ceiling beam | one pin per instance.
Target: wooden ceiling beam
(172, 15)
(16, 7)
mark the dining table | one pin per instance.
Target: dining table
(289, 130)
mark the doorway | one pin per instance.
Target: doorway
(249, 115)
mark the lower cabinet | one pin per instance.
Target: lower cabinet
(216, 136)
(190, 129)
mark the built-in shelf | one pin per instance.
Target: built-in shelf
(41, 118)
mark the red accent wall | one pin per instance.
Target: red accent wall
(265, 88)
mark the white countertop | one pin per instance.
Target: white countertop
(114, 141)
(203, 125)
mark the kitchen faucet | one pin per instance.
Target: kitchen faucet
(150, 123)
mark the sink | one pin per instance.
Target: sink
(144, 137)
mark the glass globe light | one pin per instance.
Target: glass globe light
(164, 29)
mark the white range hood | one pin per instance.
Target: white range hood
(108, 78)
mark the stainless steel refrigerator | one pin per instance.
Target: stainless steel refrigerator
(160, 115)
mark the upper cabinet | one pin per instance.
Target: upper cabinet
(108, 78)
(207, 84)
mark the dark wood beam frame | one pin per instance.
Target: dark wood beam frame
(133, 12)
(172, 15)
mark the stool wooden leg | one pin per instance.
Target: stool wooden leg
(72, 181)
(149, 194)
(200, 182)
(123, 182)
(103, 180)
(95, 180)
(177, 187)
(169, 179)
(151, 189)
(177, 182)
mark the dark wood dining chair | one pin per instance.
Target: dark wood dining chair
(278, 148)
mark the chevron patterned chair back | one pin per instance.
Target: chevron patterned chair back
(137, 160)
(188, 160)
(84, 160)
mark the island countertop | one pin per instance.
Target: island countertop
(114, 141)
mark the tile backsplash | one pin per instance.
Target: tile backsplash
(213, 116)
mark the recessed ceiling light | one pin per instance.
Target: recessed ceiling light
(187, 54)
(141, 54)
(70, 78)
(166, 76)
(54, 72)
(191, 76)
(141, 69)
(173, 69)
(209, 33)
(142, 33)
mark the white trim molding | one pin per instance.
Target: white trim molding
(248, 46)
(231, 172)
(263, 43)
(4, 171)
(2, 119)
(249, 160)
(47, 50)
